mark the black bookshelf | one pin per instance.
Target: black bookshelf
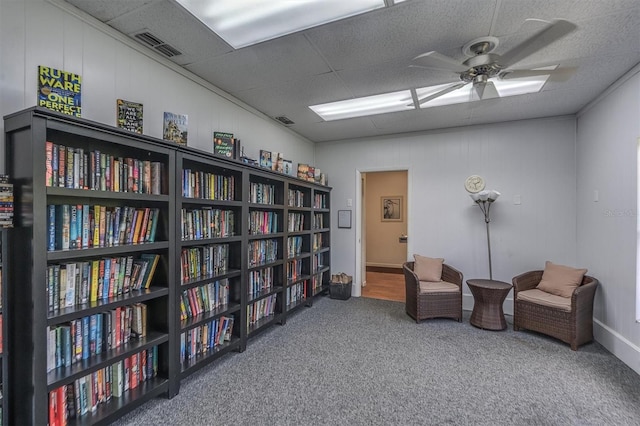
(210, 222)
(4, 310)
(125, 162)
(214, 214)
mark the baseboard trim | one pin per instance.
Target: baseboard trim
(384, 265)
(618, 345)
(385, 269)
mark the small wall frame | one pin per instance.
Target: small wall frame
(391, 208)
(344, 218)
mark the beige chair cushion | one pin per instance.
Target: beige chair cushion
(438, 287)
(547, 299)
(427, 268)
(560, 280)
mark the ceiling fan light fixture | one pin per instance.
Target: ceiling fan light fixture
(243, 23)
(368, 105)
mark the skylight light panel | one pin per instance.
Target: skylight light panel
(243, 23)
(370, 105)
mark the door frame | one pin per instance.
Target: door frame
(360, 262)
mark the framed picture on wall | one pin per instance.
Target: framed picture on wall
(391, 206)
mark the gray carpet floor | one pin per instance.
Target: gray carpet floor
(365, 362)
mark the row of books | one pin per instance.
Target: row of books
(75, 226)
(294, 269)
(204, 298)
(201, 339)
(296, 222)
(294, 246)
(69, 167)
(262, 193)
(203, 261)
(296, 198)
(208, 186)
(261, 309)
(263, 222)
(6, 202)
(320, 201)
(260, 280)
(317, 281)
(75, 283)
(296, 293)
(82, 338)
(84, 395)
(317, 242)
(317, 261)
(262, 252)
(318, 221)
(205, 223)
(311, 174)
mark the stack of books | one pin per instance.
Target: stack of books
(6, 202)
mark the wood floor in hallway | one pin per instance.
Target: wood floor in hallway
(386, 284)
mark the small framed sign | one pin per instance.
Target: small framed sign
(344, 218)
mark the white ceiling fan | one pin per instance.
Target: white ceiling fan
(483, 65)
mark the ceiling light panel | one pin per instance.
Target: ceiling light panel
(243, 23)
(370, 105)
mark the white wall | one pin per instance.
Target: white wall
(607, 137)
(35, 32)
(534, 159)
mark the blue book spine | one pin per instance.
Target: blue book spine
(99, 333)
(107, 278)
(73, 227)
(51, 226)
(85, 226)
(66, 344)
(85, 338)
(92, 334)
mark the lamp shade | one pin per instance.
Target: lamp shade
(493, 195)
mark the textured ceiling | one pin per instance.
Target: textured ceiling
(371, 53)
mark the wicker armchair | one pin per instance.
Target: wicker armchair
(445, 303)
(572, 325)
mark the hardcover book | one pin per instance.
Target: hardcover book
(224, 144)
(59, 91)
(265, 159)
(175, 128)
(287, 167)
(129, 116)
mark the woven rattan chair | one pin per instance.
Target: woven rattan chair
(573, 326)
(421, 305)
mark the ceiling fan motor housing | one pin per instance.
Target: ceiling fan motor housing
(481, 65)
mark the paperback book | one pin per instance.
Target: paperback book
(224, 144)
(129, 116)
(175, 128)
(59, 91)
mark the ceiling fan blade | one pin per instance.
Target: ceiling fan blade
(439, 61)
(444, 91)
(556, 29)
(559, 74)
(485, 90)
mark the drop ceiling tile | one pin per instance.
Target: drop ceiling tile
(106, 10)
(176, 27)
(417, 27)
(273, 62)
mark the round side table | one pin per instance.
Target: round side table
(488, 296)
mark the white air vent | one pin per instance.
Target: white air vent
(155, 43)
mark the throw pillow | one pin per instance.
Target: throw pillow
(427, 268)
(560, 280)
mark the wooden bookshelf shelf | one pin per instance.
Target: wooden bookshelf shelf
(212, 214)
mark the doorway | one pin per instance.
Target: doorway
(384, 225)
